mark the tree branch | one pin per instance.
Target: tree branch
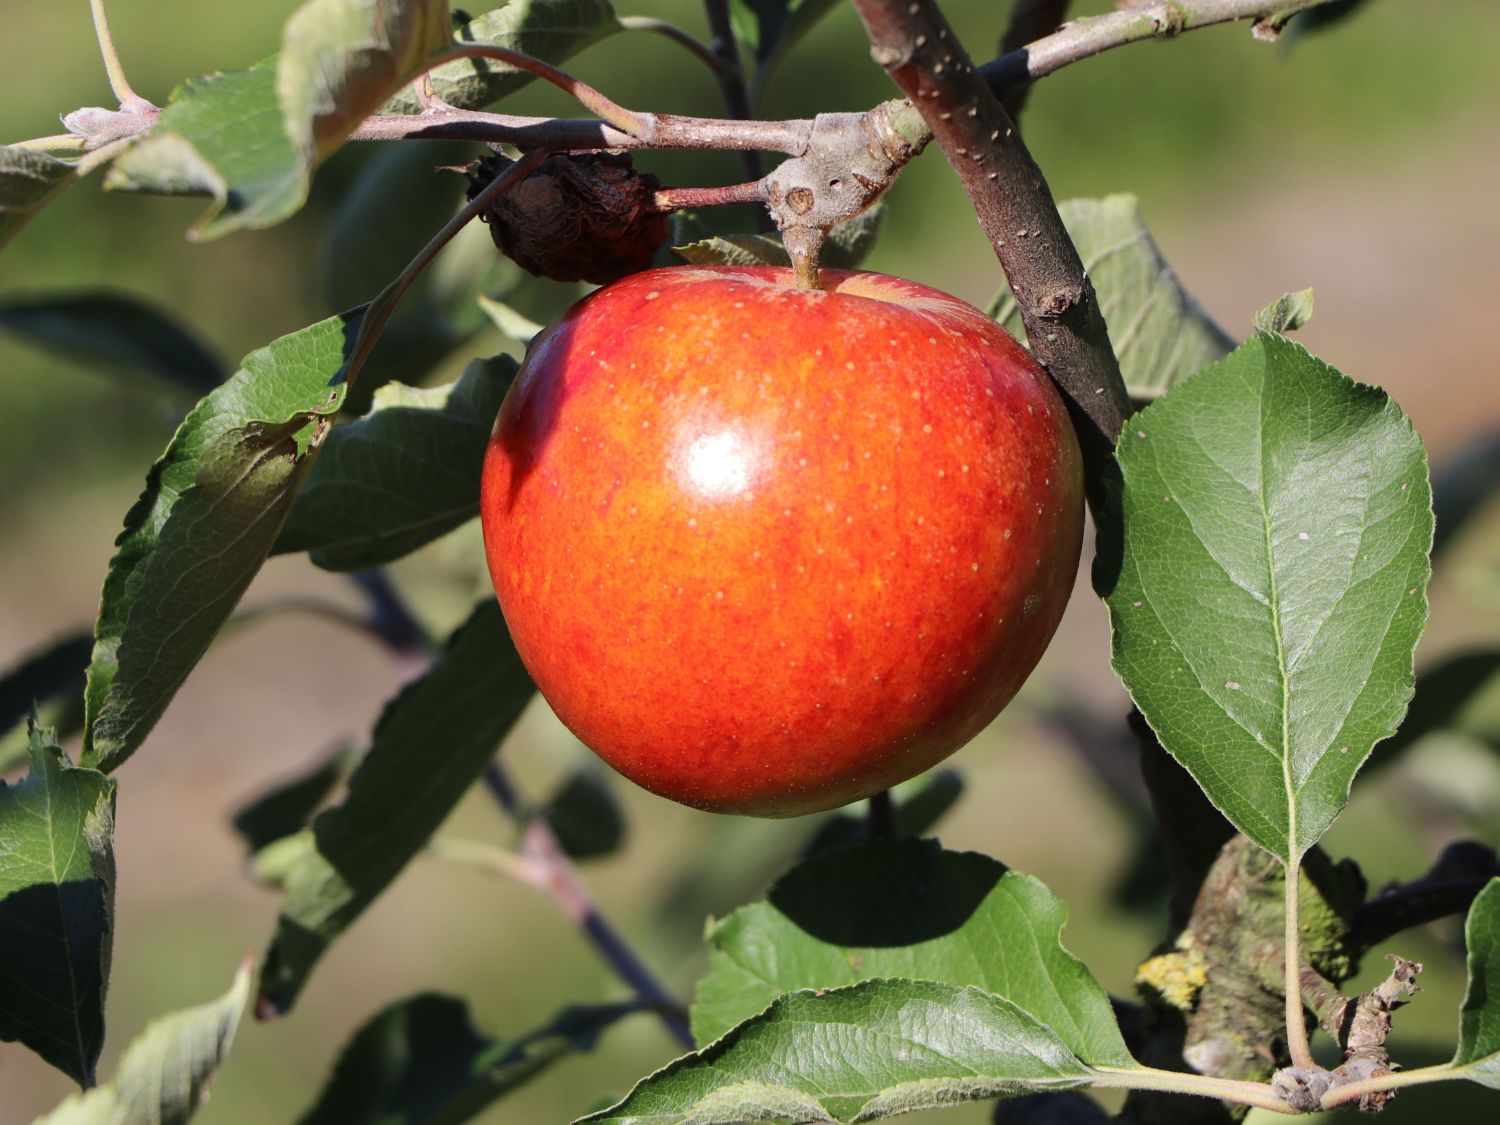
(731, 75)
(1029, 20)
(1461, 872)
(1064, 325)
(549, 869)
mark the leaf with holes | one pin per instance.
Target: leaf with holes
(213, 505)
(1266, 571)
(1160, 334)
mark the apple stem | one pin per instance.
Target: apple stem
(803, 246)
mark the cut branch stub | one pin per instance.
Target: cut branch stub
(851, 159)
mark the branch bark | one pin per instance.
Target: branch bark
(1064, 325)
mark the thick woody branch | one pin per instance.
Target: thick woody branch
(1064, 325)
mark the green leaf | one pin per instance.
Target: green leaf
(287, 808)
(734, 250)
(584, 815)
(1287, 313)
(223, 136)
(920, 803)
(907, 908)
(421, 1062)
(57, 894)
(164, 1075)
(429, 746)
(115, 331)
(341, 59)
(1276, 523)
(874, 1050)
(848, 245)
(401, 476)
(510, 322)
(1478, 1053)
(771, 28)
(213, 505)
(28, 182)
(550, 30)
(1160, 334)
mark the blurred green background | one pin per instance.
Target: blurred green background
(1364, 162)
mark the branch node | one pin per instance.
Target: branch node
(1302, 1087)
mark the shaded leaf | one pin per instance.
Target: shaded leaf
(394, 205)
(164, 1075)
(421, 1062)
(341, 59)
(1287, 313)
(734, 250)
(584, 815)
(1276, 522)
(907, 908)
(57, 893)
(213, 504)
(551, 30)
(1325, 16)
(115, 331)
(49, 672)
(401, 476)
(287, 808)
(1478, 1053)
(848, 245)
(771, 28)
(1461, 693)
(1159, 333)
(222, 136)
(1464, 487)
(430, 744)
(919, 804)
(28, 182)
(873, 1050)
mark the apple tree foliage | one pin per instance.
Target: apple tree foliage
(1264, 552)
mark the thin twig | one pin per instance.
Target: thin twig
(681, 198)
(1355, 1091)
(552, 871)
(124, 94)
(1463, 870)
(379, 311)
(639, 125)
(731, 76)
(1029, 20)
(1094, 35)
(699, 49)
(1257, 1094)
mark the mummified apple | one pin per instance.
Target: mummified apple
(768, 550)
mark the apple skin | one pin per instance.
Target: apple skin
(769, 550)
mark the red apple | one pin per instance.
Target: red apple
(768, 550)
